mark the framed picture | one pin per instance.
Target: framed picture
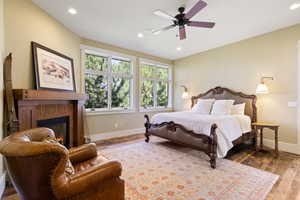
(53, 70)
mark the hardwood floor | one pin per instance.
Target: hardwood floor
(287, 165)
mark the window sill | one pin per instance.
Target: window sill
(109, 112)
(143, 110)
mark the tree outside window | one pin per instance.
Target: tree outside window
(108, 82)
(155, 86)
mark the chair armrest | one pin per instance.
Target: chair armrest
(82, 153)
(88, 179)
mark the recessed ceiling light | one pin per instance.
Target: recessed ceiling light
(140, 35)
(178, 48)
(72, 11)
(294, 6)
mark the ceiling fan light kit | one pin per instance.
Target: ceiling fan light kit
(183, 19)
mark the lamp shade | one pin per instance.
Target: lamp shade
(185, 95)
(262, 89)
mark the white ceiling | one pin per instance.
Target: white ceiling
(117, 22)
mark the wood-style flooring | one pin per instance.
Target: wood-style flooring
(286, 165)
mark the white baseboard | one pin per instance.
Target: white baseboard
(282, 146)
(116, 134)
(2, 184)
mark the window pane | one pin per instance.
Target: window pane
(163, 73)
(96, 62)
(162, 93)
(121, 66)
(148, 71)
(120, 94)
(147, 94)
(96, 88)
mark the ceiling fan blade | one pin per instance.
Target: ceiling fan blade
(156, 32)
(182, 33)
(163, 14)
(201, 24)
(194, 10)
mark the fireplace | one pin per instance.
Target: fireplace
(61, 128)
(60, 111)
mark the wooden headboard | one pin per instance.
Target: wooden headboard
(220, 93)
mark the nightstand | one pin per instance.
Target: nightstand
(261, 126)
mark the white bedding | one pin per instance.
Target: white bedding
(230, 127)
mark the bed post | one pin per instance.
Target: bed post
(213, 146)
(147, 126)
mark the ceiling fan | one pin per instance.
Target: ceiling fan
(183, 19)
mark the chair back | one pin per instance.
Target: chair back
(32, 162)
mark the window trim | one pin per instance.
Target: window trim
(110, 54)
(170, 84)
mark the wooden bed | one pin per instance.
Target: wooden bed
(208, 144)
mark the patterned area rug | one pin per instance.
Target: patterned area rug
(164, 171)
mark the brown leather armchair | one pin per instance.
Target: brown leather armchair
(38, 169)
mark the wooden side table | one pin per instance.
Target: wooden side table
(260, 126)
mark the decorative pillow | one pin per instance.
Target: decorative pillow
(203, 106)
(222, 107)
(69, 169)
(238, 109)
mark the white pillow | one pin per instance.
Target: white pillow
(238, 109)
(203, 106)
(222, 107)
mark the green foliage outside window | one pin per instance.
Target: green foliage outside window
(148, 71)
(154, 81)
(120, 93)
(96, 82)
(96, 88)
(121, 66)
(98, 63)
(115, 78)
(162, 94)
(162, 73)
(147, 94)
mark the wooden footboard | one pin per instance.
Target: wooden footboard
(179, 134)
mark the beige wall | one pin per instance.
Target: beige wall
(106, 123)
(2, 55)
(239, 66)
(25, 22)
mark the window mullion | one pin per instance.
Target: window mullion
(155, 93)
(109, 86)
(170, 93)
(131, 92)
(155, 82)
(95, 72)
(116, 75)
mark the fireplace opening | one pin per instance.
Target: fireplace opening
(60, 126)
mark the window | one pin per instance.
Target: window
(108, 81)
(155, 85)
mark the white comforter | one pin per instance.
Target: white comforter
(230, 127)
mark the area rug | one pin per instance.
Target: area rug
(164, 171)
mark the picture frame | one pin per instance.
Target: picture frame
(53, 70)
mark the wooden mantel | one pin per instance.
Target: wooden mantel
(26, 94)
(35, 105)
